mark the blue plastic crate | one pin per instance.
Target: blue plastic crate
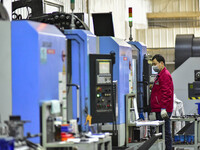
(7, 143)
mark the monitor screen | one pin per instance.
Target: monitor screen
(104, 67)
(103, 24)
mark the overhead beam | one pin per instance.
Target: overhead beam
(173, 15)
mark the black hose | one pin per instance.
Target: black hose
(3, 13)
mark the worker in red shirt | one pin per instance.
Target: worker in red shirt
(162, 96)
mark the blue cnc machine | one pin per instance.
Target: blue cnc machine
(122, 73)
(37, 50)
(81, 43)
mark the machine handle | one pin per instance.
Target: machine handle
(76, 85)
(77, 94)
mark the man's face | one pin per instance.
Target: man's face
(156, 63)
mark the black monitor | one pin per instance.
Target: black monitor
(103, 24)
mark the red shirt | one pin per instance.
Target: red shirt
(162, 95)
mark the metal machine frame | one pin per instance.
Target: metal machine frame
(196, 131)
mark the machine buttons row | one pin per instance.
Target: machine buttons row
(99, 106)
(109, 94)
(106, 95)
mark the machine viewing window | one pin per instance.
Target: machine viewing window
(104, 67)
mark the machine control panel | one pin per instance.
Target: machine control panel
(101, 99)
(194, 88)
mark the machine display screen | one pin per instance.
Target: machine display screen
(104, 67)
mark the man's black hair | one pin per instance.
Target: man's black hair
(159, 58)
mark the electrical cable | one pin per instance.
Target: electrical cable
(113, 99)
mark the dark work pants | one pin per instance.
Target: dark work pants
(168, 136)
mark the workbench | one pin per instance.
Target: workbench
(102, 144)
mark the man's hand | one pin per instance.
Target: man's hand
(164, 114)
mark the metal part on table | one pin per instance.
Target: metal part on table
(16, 127)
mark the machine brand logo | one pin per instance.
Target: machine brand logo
(51, 51)
(46, 44)
(125, 58)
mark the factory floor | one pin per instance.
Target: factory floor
(119, 148)
(122, 148)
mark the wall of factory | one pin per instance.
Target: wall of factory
(162, 37)
(162, 41)
(175, 5)
(165, 37)
(161, 33)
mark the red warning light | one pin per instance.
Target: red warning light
(130, 11)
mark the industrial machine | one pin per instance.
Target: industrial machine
(38, 57)
(194, 88)
(81, 43)
(38, 63)
(143, 70)
(187, 52)
(122, 73)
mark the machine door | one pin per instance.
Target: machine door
(101, 88)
